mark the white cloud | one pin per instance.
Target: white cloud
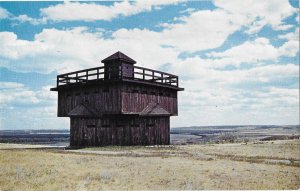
(13, 48)
(23, 108)
(254, 52)
(291, 47)
(16, 93)
(71, 11)
(13, 93)
(249, 52)
(25, 18)
(201, 30)
(255, 13)
(4, 13)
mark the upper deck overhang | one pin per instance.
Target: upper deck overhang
(108, 82)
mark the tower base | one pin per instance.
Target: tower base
(119, 130)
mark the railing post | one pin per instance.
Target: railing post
(121, 71)
(87, 77)
(153, 76)
(57, 81)
(143, 74)
(76, 77)
(162, 78)
(97, 73)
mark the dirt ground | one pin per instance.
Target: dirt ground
(255, 165)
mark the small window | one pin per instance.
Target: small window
(150, 122)
(144, 92)
(135, 91)
(91, 126)
(121, 123)
(91, 123)
(135, 122)
(153, 93)
(160, 94)
(105, 122)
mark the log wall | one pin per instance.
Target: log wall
(120, 130)
(105, 99)
(117, 98)
(135, 98)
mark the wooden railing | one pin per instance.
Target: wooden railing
(98, 74)
(155, 76)
(81, 76)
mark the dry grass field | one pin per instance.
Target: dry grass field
(260, 165)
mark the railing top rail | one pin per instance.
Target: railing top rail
(80, 71)
(155, 76)
(142, 68)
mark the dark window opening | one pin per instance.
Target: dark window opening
(106, 90)
(134, 123)
(91, 123)
(153, 93)
(135, 91)
(121, 123)
(144, 92)
(150, 122)
(160, 94)
(105, 122)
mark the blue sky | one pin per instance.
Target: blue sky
(237, 60)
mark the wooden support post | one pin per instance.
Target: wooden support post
(121, 71)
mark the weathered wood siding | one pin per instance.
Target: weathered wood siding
(120, 130)
(105, 99)
(117, 98)
(136, 97)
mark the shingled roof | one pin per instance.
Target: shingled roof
(119, 56)
(83, 110)
(154, 109)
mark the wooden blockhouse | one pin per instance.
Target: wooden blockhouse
(118, 104)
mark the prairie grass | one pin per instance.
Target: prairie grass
(214, 166)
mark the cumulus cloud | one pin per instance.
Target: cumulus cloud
(4, 13)
(256, 14)
(255, 52)
(13, 93)
(74, 11)
(30, 108)
(26, 18)
(16, 93)
(13, 48)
